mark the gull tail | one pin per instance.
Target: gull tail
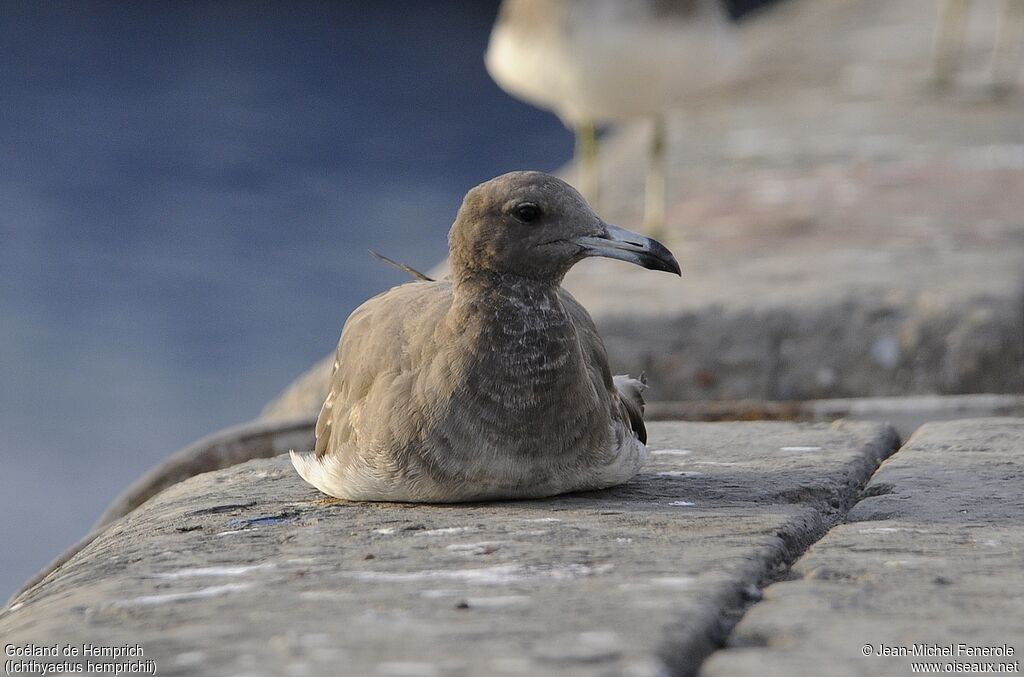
(308, 466)
(331, 477)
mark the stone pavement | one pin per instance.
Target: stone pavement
(932, 555)
(269, 436)
(742, 549)
(249, 571)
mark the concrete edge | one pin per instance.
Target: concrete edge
(223, 449)
(906, 414)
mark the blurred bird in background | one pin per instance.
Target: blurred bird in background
(1006, 50)
(599, 61)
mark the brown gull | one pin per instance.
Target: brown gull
(493, 383)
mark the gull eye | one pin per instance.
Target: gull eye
(527, 212)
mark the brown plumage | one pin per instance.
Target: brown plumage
(493, 383)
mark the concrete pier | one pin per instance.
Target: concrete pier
(250, 571)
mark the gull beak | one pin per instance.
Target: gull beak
(625, 245)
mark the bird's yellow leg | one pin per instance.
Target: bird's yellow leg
(1007, 51)
(949, 38)
(655, 194)
(587, 164)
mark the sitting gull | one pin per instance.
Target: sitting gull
(492, 383)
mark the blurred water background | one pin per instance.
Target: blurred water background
(187, 194)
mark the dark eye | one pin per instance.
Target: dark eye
(527, 212)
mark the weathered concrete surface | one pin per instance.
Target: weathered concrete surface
(223, 449)
(933, 555)
(249, 571)
(271, 435)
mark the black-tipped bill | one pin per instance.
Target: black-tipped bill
(625, 245)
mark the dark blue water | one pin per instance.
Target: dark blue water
(187, 194)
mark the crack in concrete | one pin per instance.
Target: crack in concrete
(687, 659)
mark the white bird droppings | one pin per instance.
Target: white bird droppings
(497, 601)
(481, 548)
(496, 575)
(446, 530)
(216, 571)
(682, 504)
(893, 530)
(673, 581)
(799, 448)
(671, 452)
(212, 591)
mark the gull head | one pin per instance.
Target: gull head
(535, 225)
